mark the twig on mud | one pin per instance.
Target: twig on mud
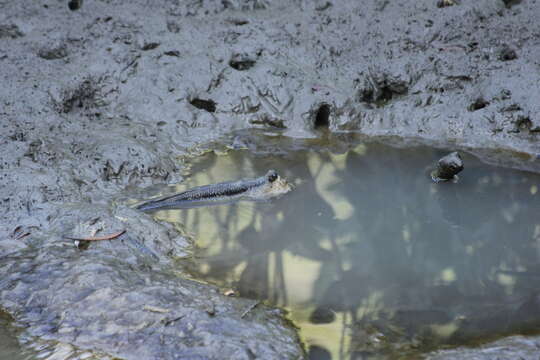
(106, 237)
(155, 309)
(248, 310)
(169, 322)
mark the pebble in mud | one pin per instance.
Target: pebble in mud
(448, 167)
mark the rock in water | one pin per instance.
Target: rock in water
(448, 167)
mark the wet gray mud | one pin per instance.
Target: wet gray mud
(100, 99)
(371, 258)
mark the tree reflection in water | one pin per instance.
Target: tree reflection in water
(370, 256)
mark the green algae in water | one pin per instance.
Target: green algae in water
(369, 255)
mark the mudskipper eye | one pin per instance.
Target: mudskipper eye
(272, 176)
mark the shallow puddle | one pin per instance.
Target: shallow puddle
(371, 258)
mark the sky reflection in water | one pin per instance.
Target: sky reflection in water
(370, 256)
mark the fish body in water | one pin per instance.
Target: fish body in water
(262, 188)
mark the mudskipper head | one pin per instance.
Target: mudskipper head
(274, 185)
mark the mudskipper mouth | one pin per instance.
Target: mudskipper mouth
(278, 187)
(274, 186)
(283, 186)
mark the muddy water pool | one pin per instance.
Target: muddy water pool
(369, 256)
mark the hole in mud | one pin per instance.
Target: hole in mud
(238, 22)
(175, 53)
(510, 3)
(208, 105)
(75, 4)
(478, 104)
(380, 97)
(386, 95)
(381, 91)
(507, 54)
(322, 118)
(242, 65)
(150, 46)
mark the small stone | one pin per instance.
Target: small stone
(448, 167)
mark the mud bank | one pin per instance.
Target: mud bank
(100, 98)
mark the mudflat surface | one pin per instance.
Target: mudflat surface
(100, 98)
